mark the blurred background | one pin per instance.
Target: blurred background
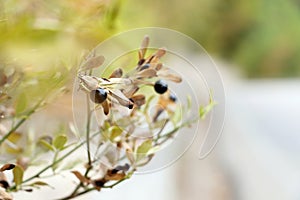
(256, 46)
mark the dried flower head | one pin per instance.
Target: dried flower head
(121, 88)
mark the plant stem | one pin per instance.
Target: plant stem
(37, 175)
(14, 128)
(88, 125)
(77, 194)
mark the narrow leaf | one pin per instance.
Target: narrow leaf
(204, 110)
(21, 103)
(115, 131)
(143, 149)
(18, 173)
(46, 145)
(40, 183)
(60, 141)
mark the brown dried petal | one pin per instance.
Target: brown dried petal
(80, 177)
(139, 99)
(117, 73)
(7, 167)
(105, 107)
(130, 90)
(89, 82)
(120, 97)
(166, 74)
(110, 176)
(147, 73)
(93, 62)
(144, 46)
(158, 66)
(160, 53)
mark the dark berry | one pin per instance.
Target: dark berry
(145, 66)
(172, 97)
(98, 96)
(130, 106)
(161, 86)
(141, 61)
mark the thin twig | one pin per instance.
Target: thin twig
(37, 175)
(14, 128)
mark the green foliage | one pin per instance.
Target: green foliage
(143, 149)
(204, 110)
(60, 141)
(18, 173)
(260, 36)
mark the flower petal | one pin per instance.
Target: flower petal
(105, 107)
(117, 73)
(120, 97)
(93, 62)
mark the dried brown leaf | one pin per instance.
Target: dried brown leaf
(111, 176)
(80, 177)
(139, 99)
(160, 53)
(89, 82)
(93, 62)
(147, 73)
(166, 74)
(144, 46)
(117, 73)
(8, 166)
(120, 97)
(105, 107)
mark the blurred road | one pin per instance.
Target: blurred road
(261, 140)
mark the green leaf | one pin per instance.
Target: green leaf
(21, 103)
(204, 110)
(40, 183)
(60, 141)
(143, 149)
(18, 173)
(148, 103)
(115, 131)
(189, 102)
(46, 145)
(153, 150)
